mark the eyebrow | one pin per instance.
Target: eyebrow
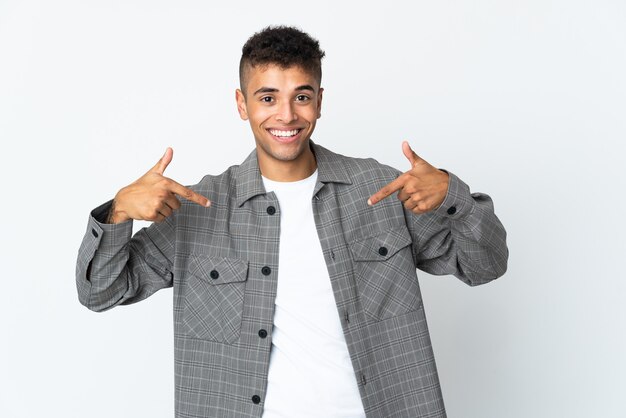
(274, 90)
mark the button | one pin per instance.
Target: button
(451, 210)
(266, 271)
(271, 210)
(214, 274)
(256, 399)
(94, 232)
(383, 251)
(262, 333)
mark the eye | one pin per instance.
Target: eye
(267, 99)
(302, 98)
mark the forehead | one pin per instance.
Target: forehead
(277, 77)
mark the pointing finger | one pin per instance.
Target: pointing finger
(162, 164)
(188, 194)
(387, 190)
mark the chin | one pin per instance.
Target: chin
(285, 152)
(287, 155)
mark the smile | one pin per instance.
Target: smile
(284, 134)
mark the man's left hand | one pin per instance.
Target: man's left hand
(421, 189)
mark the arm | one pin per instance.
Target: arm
(112, 267)
(454, 232)
(462, 237)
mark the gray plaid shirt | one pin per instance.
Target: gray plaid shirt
(222, 262)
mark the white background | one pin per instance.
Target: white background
(523, 100)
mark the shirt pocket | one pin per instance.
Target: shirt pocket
(385, 274)
(214, 298)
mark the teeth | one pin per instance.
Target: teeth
(276, 132)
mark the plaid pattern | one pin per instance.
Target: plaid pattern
(222, 263)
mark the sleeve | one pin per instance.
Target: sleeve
(462, 237)
(114, 268)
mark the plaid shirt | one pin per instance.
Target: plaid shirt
(222, 263)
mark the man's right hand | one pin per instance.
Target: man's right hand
(152, 197)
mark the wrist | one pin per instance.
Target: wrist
(116, 215)
(444, 185)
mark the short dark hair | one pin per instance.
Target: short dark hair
(284, 46)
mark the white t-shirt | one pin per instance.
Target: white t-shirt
(310, 373)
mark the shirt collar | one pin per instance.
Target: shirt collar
(330, 169)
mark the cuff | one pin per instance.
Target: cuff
(107, 235)
(458, 202)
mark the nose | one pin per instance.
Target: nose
(286, 113)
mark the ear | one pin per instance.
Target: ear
(241, 104)
(319, 102)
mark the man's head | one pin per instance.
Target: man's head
(281, 97)
(284, 47)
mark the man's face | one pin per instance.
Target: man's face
(282, 105)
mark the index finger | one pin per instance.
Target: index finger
(387, 191)
(188, 194)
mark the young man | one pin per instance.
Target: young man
(295, 288)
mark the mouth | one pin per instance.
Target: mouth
(283, 135)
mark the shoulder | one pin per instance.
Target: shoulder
(220, 183)
(370, 168)
(358, 169)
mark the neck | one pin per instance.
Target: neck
(285, 171)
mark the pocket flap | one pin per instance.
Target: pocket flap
(218, 270)
(381, 246)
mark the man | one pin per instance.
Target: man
(295, 290)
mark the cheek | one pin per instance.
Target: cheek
(309, 114)
(258, 115)
(315, 115)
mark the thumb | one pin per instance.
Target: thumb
(162, 164)
(410, 154)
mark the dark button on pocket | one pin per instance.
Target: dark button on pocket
(256, 399)
(266, 271)
(385, 274)
(94, 232)
(271, 210)
(213, 309)
(262, 333)
(452, 210)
